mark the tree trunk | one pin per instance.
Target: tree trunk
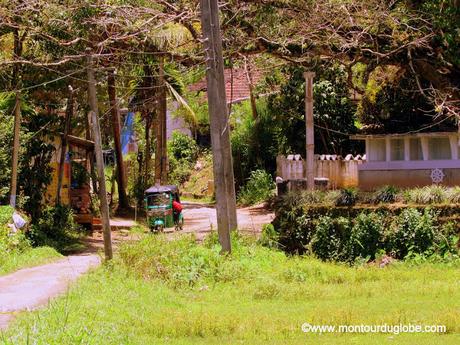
(148, 145)
(121, 176)
(247, 69)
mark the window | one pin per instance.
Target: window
(377, 150)
(439, 148)
(416, 153)
(397, 149)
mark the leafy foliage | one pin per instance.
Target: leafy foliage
(347, 197)
(182, 147)
(360, 232)
(412, 231)
(330, 238)
(386, 194)
(366, 236)
(333, 111)
(259, 187)
(254, 141)
(56, 228)
(183, 151)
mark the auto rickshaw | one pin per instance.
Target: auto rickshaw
(159, 210)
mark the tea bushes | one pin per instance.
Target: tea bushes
(366, 236)
(348, 238)
(411, 231)
(330, 238)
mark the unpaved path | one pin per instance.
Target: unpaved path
(30, 288)
(201, 219)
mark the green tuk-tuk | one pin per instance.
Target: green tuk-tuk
(159, 210)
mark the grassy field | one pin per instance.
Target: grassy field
(177, 292)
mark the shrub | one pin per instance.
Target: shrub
(411, 231)
(453, 195)
(179, 171)
(10, 242)
(259, 187)
(347, 197)
(312, 197)
(182, 152)
(386, 194)
(56, 228)
(365, 236)
(269, 236)
(331, 235)
(427, 195)
(182, 147)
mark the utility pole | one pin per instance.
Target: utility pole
(310, 136)
(15, 159)
(17, 52)
(114, 109)
(99, 158)
(68, 117)
(161, 154)
(218, 118)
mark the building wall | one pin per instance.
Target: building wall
(373, 179)
(51, 190)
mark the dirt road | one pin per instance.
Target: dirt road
(201, 219)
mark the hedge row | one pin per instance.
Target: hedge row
(347, 233)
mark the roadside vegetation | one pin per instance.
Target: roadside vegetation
(16, 248)
(348, 225)
(159, 291)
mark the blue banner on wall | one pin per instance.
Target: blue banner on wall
(127, 133)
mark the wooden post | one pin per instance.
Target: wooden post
(218, 118)
(247, 69)
(310, 139)
(68, 117)
(161, 154)
(121, 176)
(99, 158)
(15, 159)
(17, 53)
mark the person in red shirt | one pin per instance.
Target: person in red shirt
(177, 209)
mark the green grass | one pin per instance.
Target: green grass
(16, 251)
(10, 262)
(177, 292)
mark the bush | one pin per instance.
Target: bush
(259, 187)
(347, 197)
(427, 195)
(330, 238)
(56, 228)
(182, 147)
(10, 242)
(182, 152)
(453, 195)
(179, 171)
(269, 236)
(386, 194)
(412, 231)
(365, 236)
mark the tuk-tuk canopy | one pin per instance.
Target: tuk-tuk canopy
(162, 189)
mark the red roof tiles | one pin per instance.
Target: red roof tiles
(236, 84)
